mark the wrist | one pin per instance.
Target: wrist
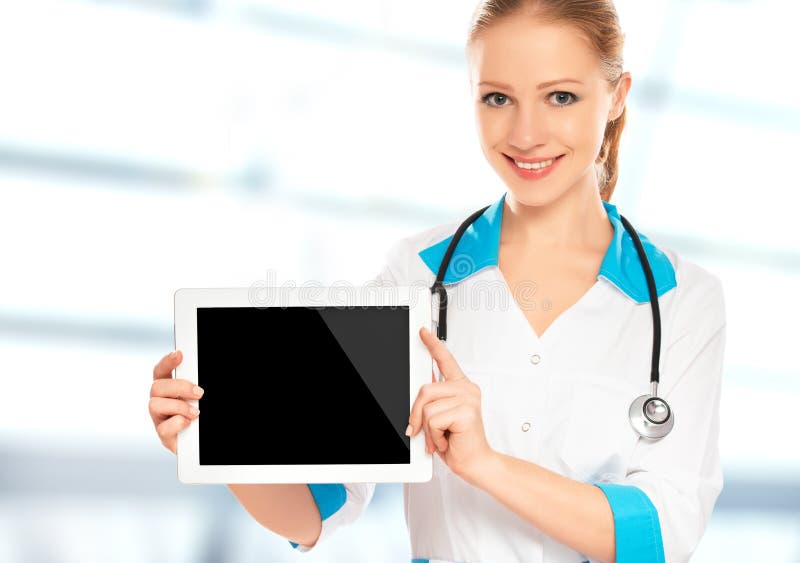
(482, 470)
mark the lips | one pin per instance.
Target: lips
(534, 174)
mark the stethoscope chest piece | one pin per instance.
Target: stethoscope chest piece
(651, 416)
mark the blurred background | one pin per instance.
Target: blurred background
(155, 144)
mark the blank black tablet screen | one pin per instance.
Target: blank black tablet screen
(303, 385)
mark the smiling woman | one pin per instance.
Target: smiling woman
(549, 93)
(578, 53)
(534, 456)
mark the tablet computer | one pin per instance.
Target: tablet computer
(303, 384)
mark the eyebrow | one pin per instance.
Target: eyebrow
(539, 87)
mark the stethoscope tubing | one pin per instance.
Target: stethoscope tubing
(650, 415)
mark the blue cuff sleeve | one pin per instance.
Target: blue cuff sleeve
(637, 530)
(329, 498)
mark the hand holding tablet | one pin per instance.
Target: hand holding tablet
(169, 401)
(302, 387)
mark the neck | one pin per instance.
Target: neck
(577, 220)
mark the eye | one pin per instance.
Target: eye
(560, 97)
(497, 96)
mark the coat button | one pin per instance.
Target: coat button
(526, 426)
(535, 359)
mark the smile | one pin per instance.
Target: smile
(533, 170)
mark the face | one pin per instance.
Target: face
(518, 116)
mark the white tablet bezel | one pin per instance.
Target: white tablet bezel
(187, 300)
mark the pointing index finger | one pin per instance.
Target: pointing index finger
(443, 357)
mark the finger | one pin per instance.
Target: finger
(429, 395)
(429, 392)
(442, 424)
(168, 431)
(162, 408)
(176, 389)
(428, 410)
(429, 447)
(165, 366)
(433, 412)
(447, 363)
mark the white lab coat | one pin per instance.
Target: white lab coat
(561, 401)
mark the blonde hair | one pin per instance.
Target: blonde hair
(598, 21)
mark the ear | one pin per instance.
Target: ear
(620, 95)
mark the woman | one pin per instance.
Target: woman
(535, 458)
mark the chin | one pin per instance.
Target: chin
(529, 196)
(531, 193)
(542, 193)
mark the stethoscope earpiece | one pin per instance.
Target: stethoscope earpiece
(651, 416)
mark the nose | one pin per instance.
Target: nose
(528, 128)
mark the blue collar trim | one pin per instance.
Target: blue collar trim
(480, 244)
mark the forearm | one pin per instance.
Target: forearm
(289, 510)
(573, 513)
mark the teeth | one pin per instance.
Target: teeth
(534, 165)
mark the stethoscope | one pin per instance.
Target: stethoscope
(650, 415)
